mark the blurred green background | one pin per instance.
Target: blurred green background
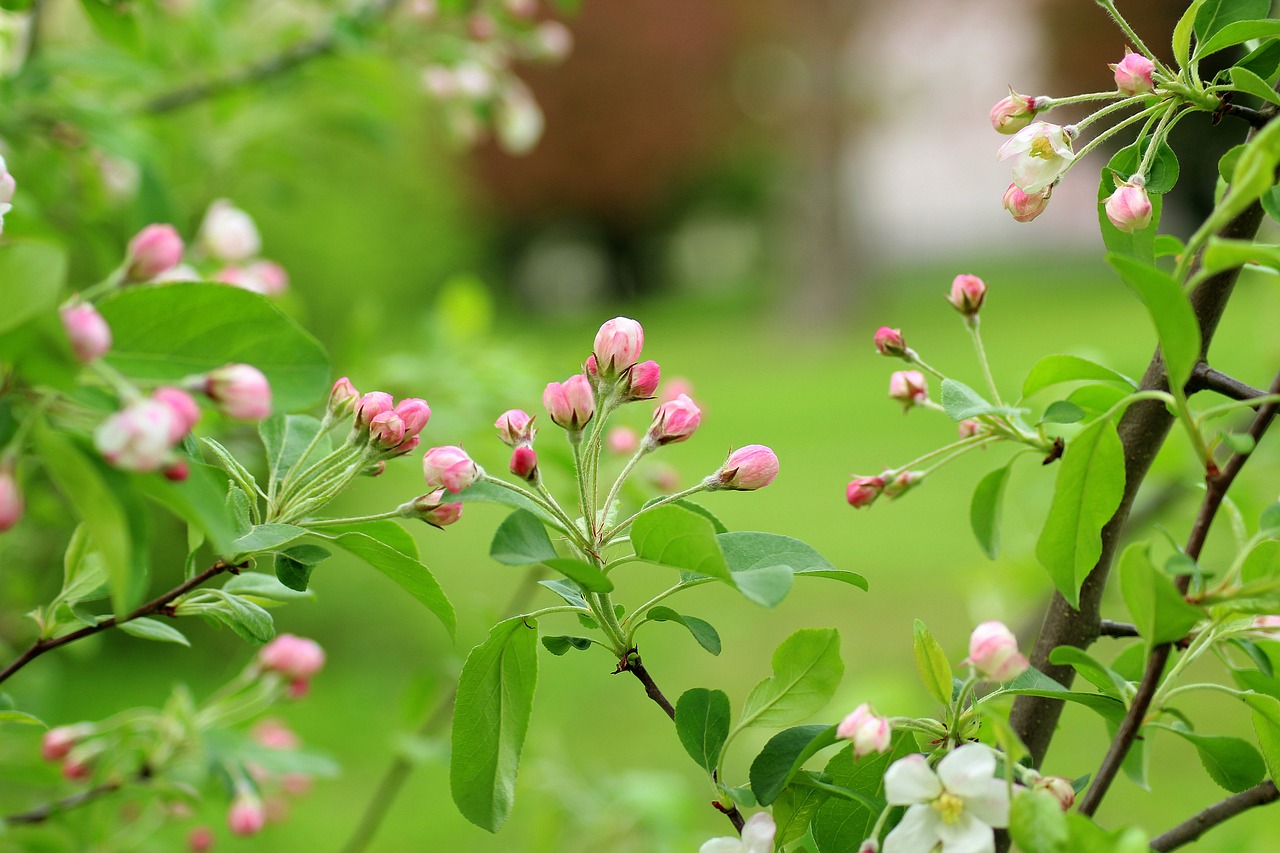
(472, 279)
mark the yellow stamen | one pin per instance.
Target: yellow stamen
(1043, 149)
(949, 806)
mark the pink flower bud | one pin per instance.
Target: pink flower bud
(642, 381)
(58, 742)
(747, 469)
(524, 463)
(969, 428)
(618, 345)
(11, 503)
(1266, 624)
(450, 468)
(1013, 113)
(967, 294)
(371, 405)
(7, 186)
(890, 342)
(186, 411)
(909, 388)
(993, 651)
(674, 421)
(900, 484)
(523, 9)
(177, 471)
(74, 770)
(515, 428)
(240, 391)
(271, 278)
(89, 334)
(343, 397)
(200, 839)
(863, 491)
(246, 816)
(154, 250)
(292, 656)
(1129, 207)
(275, 734)
(571, 403)
(1061, 789)
(415, 413)
(228, 233)
(1023, 206)
(869, 732)
(622, 440)
(139, 437)
(429, 508)
(386, 431)
(409, 445)
(1133, 74)
(377, 469)
(299, 688)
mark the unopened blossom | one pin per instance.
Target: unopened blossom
(185, 409)
(240, 391)
(432, 509)
(863, 491)
(757, 837)
(7, 188)
(1060, 788)
(554, 40)
(154, 250)
(675, 387)
(74, 769)
(621, 440)
(386, 431)
(1041, 152)
(1133, 74)
(571, 403)
(266, 278)
(1025, 207)
(967, 294)
(371, 405)
(642, 381)
(1129, 207)
(450, 468)
(292, 656)
(674, 421)
(524, 463)
(617, 346)
(176, 471)
(1267, 624)
(228, 233)
(993, 651)
(200, 839)
(181, 272)
(12, 505)
(275, 734)
(968, 428)
(58, 742)
(909, 388)
(890, 342)
(246, 815)
(343, 397)
(747, 469)
(952, 809)
(900, 484)
(515, 428)
(139, 437)
(868, 731)
(1013, 113)
(415, 413)
(88, 332)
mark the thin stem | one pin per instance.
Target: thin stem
(1105, 135)
(972, 325)
(1149, 155)
(554, 505)
(42, 813)
(569, 529)
(1052, 103)
(913, 357)
(1225, 408)
(584, 501)
(1108, 110)
(626, 472)
(1196, 826)
(338, 522)
(1110, 6)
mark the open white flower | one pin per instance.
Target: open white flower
(1043, 153)
(951, 810)
(757, 837)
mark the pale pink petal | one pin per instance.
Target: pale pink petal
(721, 845)
(967, 771)
(917, 833)
(966, 835)
(910, 780)
(991, 806)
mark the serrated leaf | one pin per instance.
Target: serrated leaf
(748, 551)
(1162, 172)
(703, 632)
(806, 672)
(152, 629)
(985, 508)
(1212, 15)
(932, 664)
(783, 756)
(566, 590)
(702, 723)
(285, 438)
(840, 825)
(1182, 33)
(267, 537)
(1230, 761)
(793, 810)
(1160, 613)
(1250, 83)
(962, 402)
(247, 619)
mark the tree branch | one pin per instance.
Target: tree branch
(156, 605)
(1107, 628)
(1205, 378)
(1194, 827)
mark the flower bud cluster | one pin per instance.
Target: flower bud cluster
(387, 427)
(296, 659)
(868, 731)
(144, 434)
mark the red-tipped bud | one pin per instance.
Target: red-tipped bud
(515, 428)
(386, 431)
(292, 656)
(370, 406)
(571, 403)
(967, 294)
(200, 840)
(415, 413)
(246, 815)
(890, 342)
(909, 388)
(1133, 74)
(432, 509)
(617, 346)
(642, 381)
(154, 250)
(89, 334)
(449, 468)
(524, 463)
(177, 471)
(240, 391)
(11, 503)
(1129, 207)
(902, 483)
(58, 742)
(674, 421)
(747, 469)
(186, 411)
(343, 397)
(1025, 207)
(1061, 789)
(863, 491)
(1013, 113)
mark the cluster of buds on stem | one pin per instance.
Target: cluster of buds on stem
(144, 434)
(388, 428)
(296, 659)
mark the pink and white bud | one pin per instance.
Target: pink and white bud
(415, 413)
(240, 391)
(1129, 207)
(1025, 207)
(431, 509)
(228, 233)
(673, 422)
(343, 397)
(622, 440)
(967, 294)
(900, 484)
(386, 431)
(642, 381)
(1041, 152)
(450, 468)
(515, 428)
(554, 40)
(371, 405)
(1013, 113)
(186, 410)
(1266, 624)
(177, 471)
(58, 742)
(11, 504)
(292, 656)
(571, 403)
(863, 491)
(271, 278)
(8, 186)
(1133, 74)
(868, 731)
(1061, 789)
(200, 839)
(993, 651)
(88, 332)
(909, 388)
(617, 346)
(139, 437)
(154, 250)
(182, 272)
(969, 428)
(409, 445)
(747, 469)
(890, 342)
(524, 463)
(246, 815)
(73, 769)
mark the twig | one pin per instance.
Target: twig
(42, 813)
(1196, 826)
(1205, 378)
(155, 605)
(1107, 628)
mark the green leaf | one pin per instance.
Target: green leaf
(673, 536)
(702, 723)
(984, 510)
(1213, 15)
(1167, 245)
(745, 551)
(248, 620)
(1266, 725)
(384, 530)
(1091, 669)
(1037, 823)
(294, 565)
(152, 629)
(783, 756)
(1182, 34)
(1056, 369)
(806, 672)
(413, 577)
(840, 825)
(561, 644)
(31, 279)
(1162, 174)
(1174, 319)
(1085, 836)
(483, 492)
(267, 537)
(1264, 60)
(1230, 761)
(566, 590)
(586, 575)
(1160, 613)
(1088, 491)
(694, 507)
(199, 500)
(932, 664)
(703, 632)
(285, 438)
(1222, 254)
(793, 811)
(1035, 683)
(21, 719)
(962, 402)
(1139, 245)
(1250, 83)
(166, 332)
(84, 487)
(1262, 562)
(1063, 412)
(490, 720)
(1237, 33)
(521, 540)
(262, 589)
(114, 22)
(766, 586)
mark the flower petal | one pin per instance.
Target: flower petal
(757, 834)
(966, 771)
(916, 833)
(910, 780)
(966, 835)
(991, 806)
(722, 845)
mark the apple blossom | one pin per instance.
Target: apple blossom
(747, 469)
(868, 731)
(240, 391)
(674, 421)
(450, 468)
(386, 431)
(292, 656)
(617, 346)
(863, 491)
(154, 250)
(1133, 74)
(1129, 207)
(88, 332)
(571, 403)
(1025, 207)
(993, 651)
(908, 387)
(955, 806)
(138, 437)
(515, 428)
(967, 294)
(1041, 152)
(228, 233)
(890, 342)
(1011, 114)
(757, 837)
(431, 509)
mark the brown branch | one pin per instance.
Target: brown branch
(1216, 489)
(1205, 378)
(42, 813)
(155, 605)
(1107, 628)
(1194, 827)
